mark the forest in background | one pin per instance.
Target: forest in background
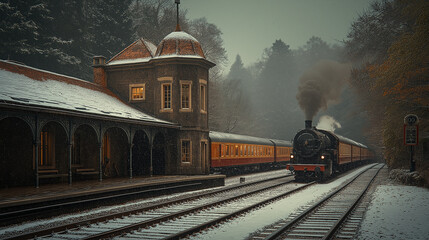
(63, 36)
(386, 49)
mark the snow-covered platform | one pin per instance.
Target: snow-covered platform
(149, 186)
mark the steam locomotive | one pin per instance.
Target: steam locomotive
(318, 154)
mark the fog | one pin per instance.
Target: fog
(274, 96)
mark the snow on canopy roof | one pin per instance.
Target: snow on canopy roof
(34, 87)
(237, 138)
(139, 51)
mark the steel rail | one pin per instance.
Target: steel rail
(135, 226)
(337, 225)
(65, 227)
(292, 222)
(236, 213)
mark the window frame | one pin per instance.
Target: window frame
(203, 96)
(137, 85)
(182, 153)
(163, 108)
(45, 149)
(189, 108)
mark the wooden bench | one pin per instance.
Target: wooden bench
(50, 173)
(86, 171)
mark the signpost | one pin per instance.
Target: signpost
(411, 136)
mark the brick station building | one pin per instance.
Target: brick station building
(146, 113)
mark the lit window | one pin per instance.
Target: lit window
(186, 151)
(166, 96)
(137, 92)
(185, 93)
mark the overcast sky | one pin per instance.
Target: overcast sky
(250, 26)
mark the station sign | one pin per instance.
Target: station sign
(411, 130)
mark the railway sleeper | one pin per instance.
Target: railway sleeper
(313, 227)
(305, 235)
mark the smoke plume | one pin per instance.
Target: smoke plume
(321, 85)
(328, 123)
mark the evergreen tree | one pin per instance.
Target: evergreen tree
(109, 28)
(27, 35)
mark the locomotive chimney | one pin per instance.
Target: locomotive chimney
(308, 124)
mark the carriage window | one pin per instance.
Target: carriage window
(220, 150)
(227, 150)
(236, 150)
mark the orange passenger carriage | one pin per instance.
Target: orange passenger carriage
(234, 153)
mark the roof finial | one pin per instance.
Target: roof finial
(177, 26)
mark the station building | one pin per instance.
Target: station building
(145, 113)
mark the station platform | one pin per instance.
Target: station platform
(142, 186)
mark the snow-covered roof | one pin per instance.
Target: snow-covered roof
(179, 43)
(237, 138)
(350, 141)
(128, 61)
(139, 51)
(29, 86)
(180, 35)
(282, 143)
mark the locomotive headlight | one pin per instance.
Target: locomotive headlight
(322, 157)
(291, 156)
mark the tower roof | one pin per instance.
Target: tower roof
(179, 43)
(139, 51)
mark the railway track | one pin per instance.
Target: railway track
(114, 224)
(323, 219)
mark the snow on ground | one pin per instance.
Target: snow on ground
(397, 212)
(241, 227)
(253, 177)
(130, 205)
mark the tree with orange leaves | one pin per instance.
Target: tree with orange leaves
(402, 81)
(404, 76)
(390, 42)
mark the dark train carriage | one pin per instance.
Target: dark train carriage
(234, 153)
(283, 149)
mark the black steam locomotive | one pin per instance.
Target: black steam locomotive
(318, 154)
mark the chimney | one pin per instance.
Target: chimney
(308, 124)
(98, 63)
